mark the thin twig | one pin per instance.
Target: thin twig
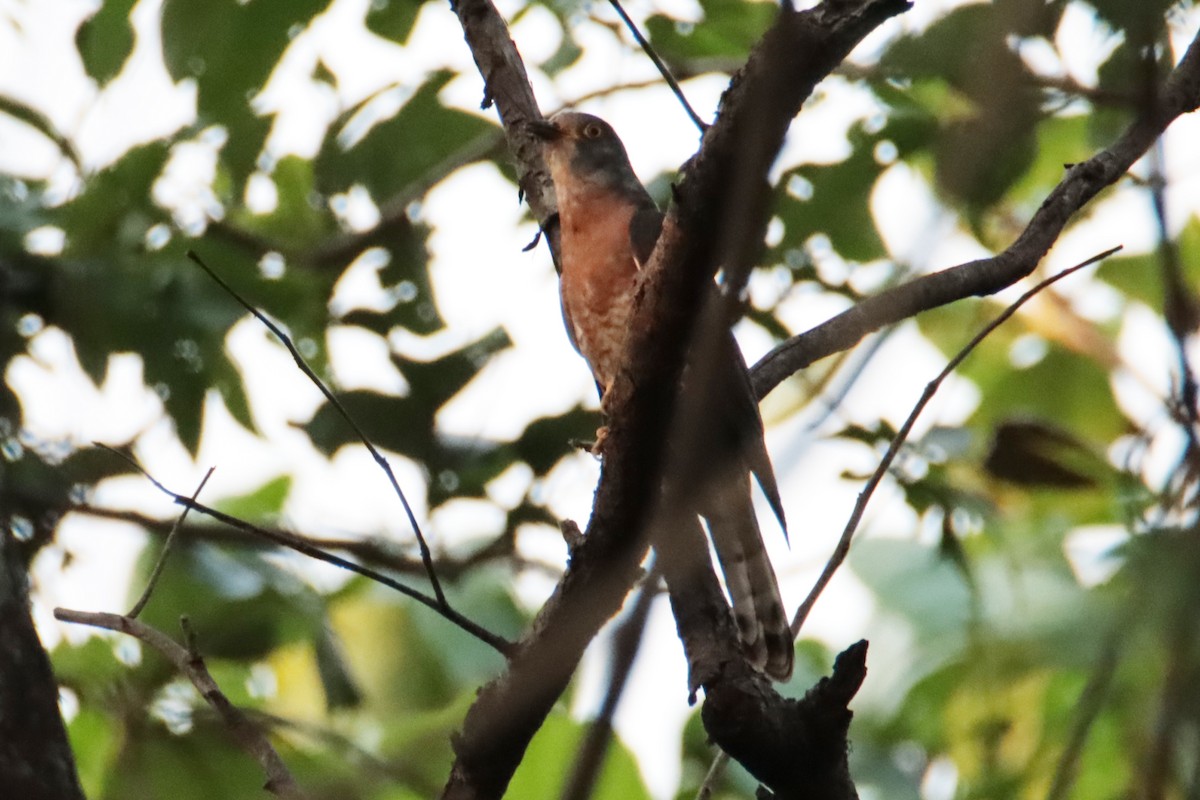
(715, 770)
(426, 555)
(249, 737)
(843, 545)
(369, 550)
(166, 551)
(304, 547)
(663, 69)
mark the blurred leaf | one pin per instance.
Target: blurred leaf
(42, 124)
(341, 690)
(548, 761)
(833, 199)
(405, 424)
(545, 441)
(1138, 277)
(95, 742)
(299, 221)
(264, 502)
(911, 580)
(105, 40)
(728, 30)
(1037, 453)
(1141, 22)
(198, 766)
(397, 152)
(91, 669)
(240, 605)
(115, 208)
(230, 49)
(393, 19)
(484, 595)
(981, 153)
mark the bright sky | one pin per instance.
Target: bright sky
(483, 279)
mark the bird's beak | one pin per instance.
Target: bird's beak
(545, 130)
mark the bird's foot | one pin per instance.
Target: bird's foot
(597, 447)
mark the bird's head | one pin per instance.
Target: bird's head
(582, 147)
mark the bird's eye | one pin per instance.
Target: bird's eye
(592, 130)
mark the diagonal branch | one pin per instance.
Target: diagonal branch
(1180, 94)
(306, 547)
(843, 546)
(302, 365)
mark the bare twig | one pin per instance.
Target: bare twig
(249, 737)
(659, 64)
(370, 551)
(715, 770)
(156, 573)
(426, 555)
(843, 545)
(305, 547)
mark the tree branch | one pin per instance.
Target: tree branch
(1180, 94)
(793, 56)
(249, 737)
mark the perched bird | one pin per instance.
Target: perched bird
(608, 227)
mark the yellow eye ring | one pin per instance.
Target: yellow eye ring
(592, 130)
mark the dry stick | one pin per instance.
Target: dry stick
(303, 546)
(843, 545)
(426, 555)
(166, 551)
(663, 69)
(249, 737)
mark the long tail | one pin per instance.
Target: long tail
(753, 591)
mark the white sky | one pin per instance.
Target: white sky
(482, 279)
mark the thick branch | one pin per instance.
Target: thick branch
(1180, 95)
(506, 84)
(799, 50)
(36, 762)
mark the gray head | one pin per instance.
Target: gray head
(585, 148)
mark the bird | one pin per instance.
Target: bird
(608, 226)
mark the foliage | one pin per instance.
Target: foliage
(1007, 668)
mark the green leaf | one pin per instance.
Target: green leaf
(105, 40)
(833, 199)
(115, 209)
(393, 19)
(95, 743)
(198, 766)
(230, 49)
(240, 605)
(548, 761)
(729, 29)
(1138, 277)
(264, 502)
(42, 124)
(405, 424)
(397, 152)
(913, 581)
